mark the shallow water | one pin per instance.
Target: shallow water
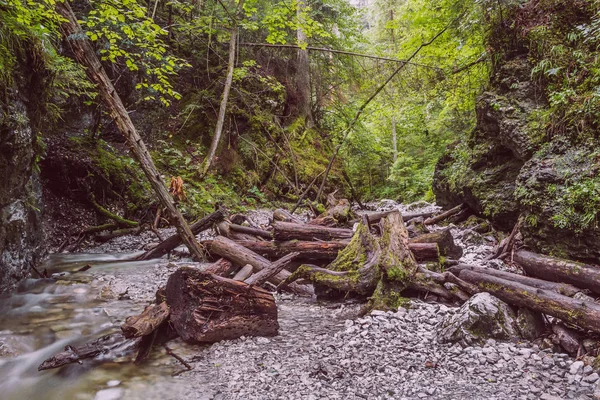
(45, 315)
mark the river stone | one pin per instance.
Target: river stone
(482, 316)
(530, 323)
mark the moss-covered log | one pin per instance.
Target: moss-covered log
(559, 270)
(444, 240)
(582, 313)
(558, 287)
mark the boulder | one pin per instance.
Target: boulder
(483, 316)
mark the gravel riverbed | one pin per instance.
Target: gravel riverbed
(328, 351)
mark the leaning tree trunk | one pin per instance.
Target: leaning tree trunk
(85, 54)
(303, 70)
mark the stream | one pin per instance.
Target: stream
(91, 294)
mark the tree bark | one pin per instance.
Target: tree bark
(581, 313)
(444, 240)
(303, 70)
(315, 251)
(562, 288)
(223, 108)
(283, 231)
(173, 241)
(266, 274)
(240, 255)
(208, 308)
(147, 322)
(85, 54)
(559, 270)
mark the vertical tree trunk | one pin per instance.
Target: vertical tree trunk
(394, 142)
(85, 54)
(221, 119)
(303, 70)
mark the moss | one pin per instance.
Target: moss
(387, 299)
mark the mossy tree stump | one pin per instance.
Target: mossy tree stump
(378, 267)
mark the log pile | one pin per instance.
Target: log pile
(376, 260)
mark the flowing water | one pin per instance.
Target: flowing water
(74, 307)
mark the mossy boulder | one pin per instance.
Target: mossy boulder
(483, 316)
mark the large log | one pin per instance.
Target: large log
(147, 322)
(315, 251)
(559, 270)
(173, 241)
(376, 216)
(558, 287)
(283, 231)
(240, 255)
(576, 312)
(444, 240)
(251, 231)
(325, 251)
(208, 308)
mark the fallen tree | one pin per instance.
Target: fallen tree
(582, 313)
(559, 270)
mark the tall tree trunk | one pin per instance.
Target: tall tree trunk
(85, 54)
(394, 141)
(303, 70)
(221, 119)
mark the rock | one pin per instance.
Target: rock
(109, 394)
(576, 368)
(531, 324)
(482, 316)
(591, 378)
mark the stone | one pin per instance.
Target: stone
(576, 368)
(483, 316)
(531, 324)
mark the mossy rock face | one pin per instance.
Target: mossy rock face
(483, 316)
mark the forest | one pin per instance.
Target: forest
(223, 199)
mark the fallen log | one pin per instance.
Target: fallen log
(263, 276)
(444, 240)
(339, 212)
(376, 216)
(285, 216)
(444, 215)
(173, 241)
(251, 231)
(425, 252)
(240, 255)
(103, 345)
(316, 251)
(147, 322)
(558, 287)
(576, 312)
(326, 251)
(243, 273)
(208, 308)
(559, 270)
(283, 231)
(221, 267)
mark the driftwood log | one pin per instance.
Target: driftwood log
(582, 313)
(173, 241)
(147, 322)
(445, 215)
(240, 255)
(558, 287)
(208, 308)
(444, 240)
(559, 270)
(283, 231)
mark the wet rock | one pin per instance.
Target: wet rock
(482, 316)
